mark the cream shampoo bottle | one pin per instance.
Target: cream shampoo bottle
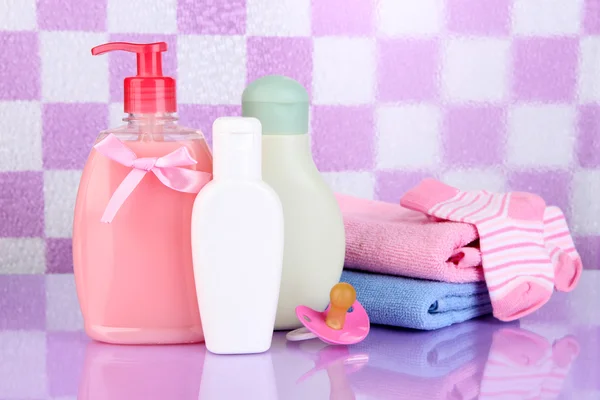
(314, 229)
(237, 243)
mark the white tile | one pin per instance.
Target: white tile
(589, 70)
(541, 135)
(475, 69)
(62, 307)
(18, 15)
(22, 256)
(410, 17)
(23, 366)
(21, 136)
(278, 17)
(142, 16)
(547, 17)
(69, 72)
(358, 184)
(60, 191)
(476, 179)
(586, 186)
(115, 115)
(211, 69)
(343, 71)
(408, 136)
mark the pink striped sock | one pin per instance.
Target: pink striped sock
(564, 256)
(516, 265)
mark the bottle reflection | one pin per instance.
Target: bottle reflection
(113, 372)
(248, 376)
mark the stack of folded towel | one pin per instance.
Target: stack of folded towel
(444, 256)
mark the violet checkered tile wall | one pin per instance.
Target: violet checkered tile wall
(501, 94)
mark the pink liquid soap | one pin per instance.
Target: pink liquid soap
(134, 276)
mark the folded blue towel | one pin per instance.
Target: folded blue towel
(416, 303)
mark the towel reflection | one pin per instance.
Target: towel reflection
(481, 359)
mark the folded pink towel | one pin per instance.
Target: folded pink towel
(389, 239)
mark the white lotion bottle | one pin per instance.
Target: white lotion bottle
(315, 243)
(237, 243)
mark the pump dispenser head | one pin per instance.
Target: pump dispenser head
(148, 92)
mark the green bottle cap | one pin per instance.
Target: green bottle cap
(279, 102)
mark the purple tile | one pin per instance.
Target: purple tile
(342, 17)
(585, 370)
(545, 69)
(343, 138)
(390, 186)
(69, 131)
(122, 64)
(476, 17)
(282, 56)
(202, 116)
(64, 362)
(59, 256)
(22, 302)
(589, 250)
(56, 15)
(588, 140)
(552, 186)
(212, 17)
(474, 136)
(23, 369)
(408, 70)
(591, 17)
(19, 66)
(21, 204)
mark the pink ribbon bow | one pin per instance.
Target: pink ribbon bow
(165, 168)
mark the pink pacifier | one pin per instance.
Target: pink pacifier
(335, 325)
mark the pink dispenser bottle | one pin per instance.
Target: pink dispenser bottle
(131, 235)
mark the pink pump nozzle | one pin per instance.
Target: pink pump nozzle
(149, 91)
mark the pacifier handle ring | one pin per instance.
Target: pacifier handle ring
(300, 334)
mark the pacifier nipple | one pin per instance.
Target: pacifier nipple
(342, 297)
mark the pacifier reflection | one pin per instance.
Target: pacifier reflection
(336, 361)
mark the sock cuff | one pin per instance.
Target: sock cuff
(427, 194)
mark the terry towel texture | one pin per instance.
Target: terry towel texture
(415, 303)
(390, 239)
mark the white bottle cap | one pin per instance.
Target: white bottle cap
(237, 143)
